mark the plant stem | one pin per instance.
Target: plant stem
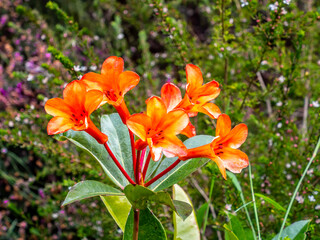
(162, 173)
(248, 215)
(207, 210)
(133, 150)
(137, 168)
(115, 160)
(136, 213)
(146, 165)
(298, 186)
(254, 203)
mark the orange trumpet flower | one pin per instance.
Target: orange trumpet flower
(73, 111)
(158, 129)
(198, 96)
(224, 148)
(113, 82)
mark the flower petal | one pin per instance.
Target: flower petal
(221, 166)
(156, 151)
(170, 95)
(74, 95)
(194, 78)
(58, 107)
(211, 110)
(173, 147)
(237, 136)
(94, 81)
(223, 125)
(233, 159)
(156, 110)
(93, 101)
(189, 130)
(174, 122)
(139, 123)
(127, 81)
(111, 69)
(205, 93)
(59, 125)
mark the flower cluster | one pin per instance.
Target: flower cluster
(157, 128)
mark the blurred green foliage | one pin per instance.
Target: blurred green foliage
(265, 54)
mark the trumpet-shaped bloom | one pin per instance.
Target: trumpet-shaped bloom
(224, 148)
(113, 81)
(198, 96)
(158, 129)
(73, 111)
(171, 97)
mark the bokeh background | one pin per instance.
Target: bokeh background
(265, 54)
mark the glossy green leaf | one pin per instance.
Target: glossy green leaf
(296, 231)
(87, 189)
(183, 169)
(184, 229)
(271, 201)
(119, 208)
(140, 197)
(119, 143)
(149, 227)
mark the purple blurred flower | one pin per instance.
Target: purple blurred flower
(3, 20)
(3, 92)
(41, 194)
(18, 57)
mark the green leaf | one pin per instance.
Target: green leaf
(87, 189)
(201, 213)
(234, 181)
(149, 227)
(183, 169)
(140, 197)
(119, 208)
(296, 231)
(228, 234)
(119, 143)
(236, 226)
(184, 229)
(271, 201)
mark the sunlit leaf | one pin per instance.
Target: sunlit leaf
(87, 189)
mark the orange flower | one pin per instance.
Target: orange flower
(113, 82)
(73, 111)
(171, 97)
(158, 129)
(224, 148)
(198, 96)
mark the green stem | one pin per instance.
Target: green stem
(207, 210)
(254, 203)
(248, 215)
(298, 186)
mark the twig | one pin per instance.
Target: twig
(264, 88)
